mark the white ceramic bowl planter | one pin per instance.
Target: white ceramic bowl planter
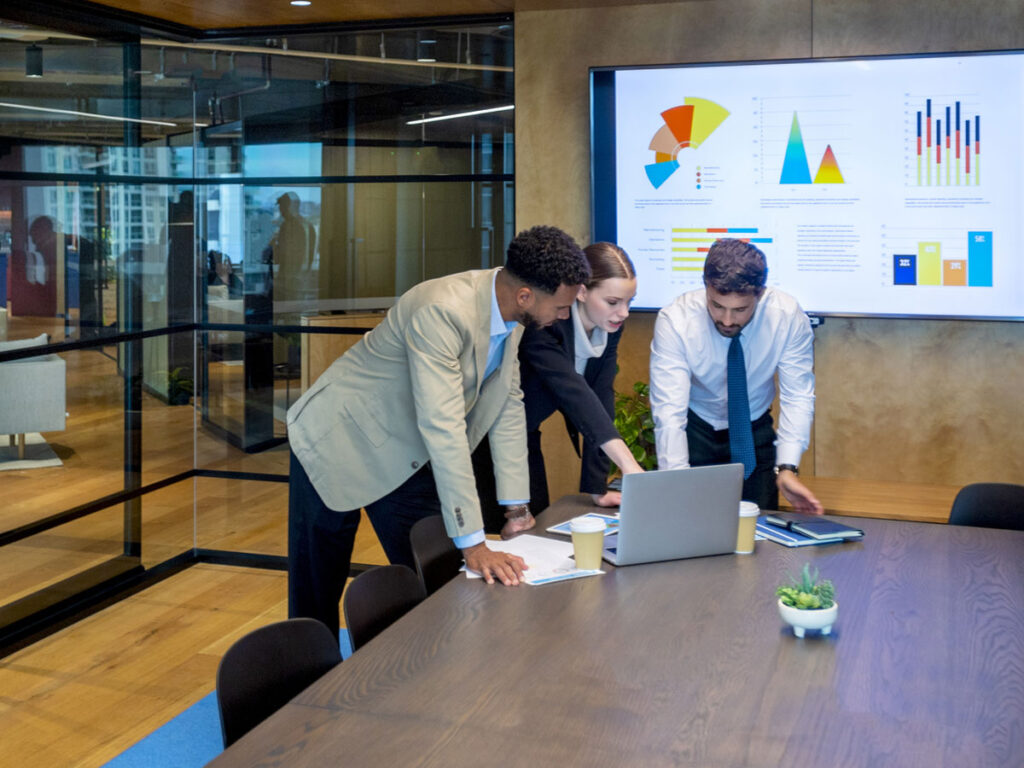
(801, 620)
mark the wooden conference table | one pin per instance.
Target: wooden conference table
(688, 664)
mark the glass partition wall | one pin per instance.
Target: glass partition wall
(191, 233)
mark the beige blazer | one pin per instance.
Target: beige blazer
(410, 391)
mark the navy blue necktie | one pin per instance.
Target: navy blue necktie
(741, 435)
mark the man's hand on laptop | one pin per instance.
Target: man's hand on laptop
(508, 569)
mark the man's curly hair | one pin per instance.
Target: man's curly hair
(546, 258)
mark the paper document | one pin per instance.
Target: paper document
(548, 559)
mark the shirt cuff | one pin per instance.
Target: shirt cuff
(510, 502)
(788, 453)
(468, 540)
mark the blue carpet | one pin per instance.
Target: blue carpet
(190, 740)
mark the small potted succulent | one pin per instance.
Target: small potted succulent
(808, 603)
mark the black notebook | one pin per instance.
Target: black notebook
(814, 526)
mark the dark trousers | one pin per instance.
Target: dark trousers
(711, 446)
(320, 539)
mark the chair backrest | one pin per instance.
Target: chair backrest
(989, 505)
(267, 668)
(437, 559)
(377, 598)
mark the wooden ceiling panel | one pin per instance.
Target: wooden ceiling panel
(207, 15)
(227, 14)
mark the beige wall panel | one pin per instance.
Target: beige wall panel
(920, 401)
(908, 401)
(843, 28)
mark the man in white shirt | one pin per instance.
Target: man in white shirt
(693, 357)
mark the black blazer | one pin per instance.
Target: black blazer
(547, 358)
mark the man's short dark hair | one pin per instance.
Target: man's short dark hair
(735, 266)
(546, 258)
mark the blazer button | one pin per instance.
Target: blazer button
(415, 465)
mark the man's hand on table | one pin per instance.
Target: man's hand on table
(798, 494)
(508, 569)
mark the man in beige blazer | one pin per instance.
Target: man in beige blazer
(391, 425)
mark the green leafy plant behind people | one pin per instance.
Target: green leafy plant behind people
(634, 422)
(807, 593)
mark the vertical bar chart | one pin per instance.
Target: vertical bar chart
(943, 140)
(964, 261)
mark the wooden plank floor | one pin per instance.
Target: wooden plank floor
(83, 695)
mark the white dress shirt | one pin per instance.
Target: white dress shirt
(688, 370)
(586, 346)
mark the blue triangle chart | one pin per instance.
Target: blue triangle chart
(658, 173)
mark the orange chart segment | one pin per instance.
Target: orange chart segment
(680, 122)
(707, 116)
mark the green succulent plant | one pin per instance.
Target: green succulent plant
(807, 593)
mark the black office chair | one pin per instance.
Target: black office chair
(267, 668)
(437, 559)
(377, 598)
(989, 505)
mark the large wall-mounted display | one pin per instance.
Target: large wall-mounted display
(875, 186)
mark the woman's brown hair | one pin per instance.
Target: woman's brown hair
(607, 261)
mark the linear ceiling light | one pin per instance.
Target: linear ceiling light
(461, 114)
(86, 114)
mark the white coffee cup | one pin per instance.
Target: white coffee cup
(587, 541)
(748, 525)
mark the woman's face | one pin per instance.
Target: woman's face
(606, 305)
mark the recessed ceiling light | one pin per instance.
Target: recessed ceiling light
(301, 2)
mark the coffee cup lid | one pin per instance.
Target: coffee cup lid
(587, 524)
(749, 509)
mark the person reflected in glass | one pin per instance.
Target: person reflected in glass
(221, 272)
(293, 247)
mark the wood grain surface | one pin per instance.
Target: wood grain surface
(687, 663)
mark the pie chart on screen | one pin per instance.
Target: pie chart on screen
(685, 126)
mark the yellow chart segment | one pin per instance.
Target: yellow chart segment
(707, 116)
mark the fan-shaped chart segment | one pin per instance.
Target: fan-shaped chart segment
(707, 116)
(679, 121)
(658, 173)
(664, 143)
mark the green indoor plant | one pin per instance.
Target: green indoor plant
(636, 426)
(808, 602)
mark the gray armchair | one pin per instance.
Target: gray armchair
(34, 393)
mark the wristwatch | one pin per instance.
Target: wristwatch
(779, 467)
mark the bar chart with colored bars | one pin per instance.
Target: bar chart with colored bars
(928, 267)
(948, 151)
(690, 245)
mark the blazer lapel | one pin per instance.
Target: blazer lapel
(482, 336)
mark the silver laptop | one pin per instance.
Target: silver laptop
(672, 514)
